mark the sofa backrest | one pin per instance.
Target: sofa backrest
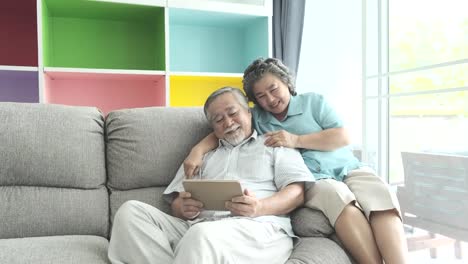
(144, 149)
(52, 171)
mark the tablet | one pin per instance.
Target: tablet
(213, 193)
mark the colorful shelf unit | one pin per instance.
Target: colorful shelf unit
(94, 53)
(116, 54)
(211, 49)
(19, 80)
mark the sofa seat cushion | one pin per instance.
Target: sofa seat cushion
(308, 222)
(54, 249)
(318, 250)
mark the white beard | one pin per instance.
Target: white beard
(234, 138)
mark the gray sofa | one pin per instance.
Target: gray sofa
(64, 172)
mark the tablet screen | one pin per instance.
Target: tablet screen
(213, 193)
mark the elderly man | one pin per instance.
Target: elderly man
(254, 228)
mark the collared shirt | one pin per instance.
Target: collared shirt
(310, 113)
(261, 169)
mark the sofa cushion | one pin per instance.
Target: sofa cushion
(318, 250)
(146, 146)
(42, 211)
(151, 196)
(308, 222)
(52, 171)
(51, 145)
(54, 249)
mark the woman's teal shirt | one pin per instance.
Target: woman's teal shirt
(309, 113)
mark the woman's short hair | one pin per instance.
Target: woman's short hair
(258, 68)
(240, 97)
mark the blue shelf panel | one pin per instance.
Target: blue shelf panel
(202, 41)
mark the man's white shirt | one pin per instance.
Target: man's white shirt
(261, 169)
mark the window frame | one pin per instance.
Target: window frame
(381, 161)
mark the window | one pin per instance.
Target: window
(415, 93)
(416, 81)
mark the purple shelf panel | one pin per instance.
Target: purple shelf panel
(19, 86)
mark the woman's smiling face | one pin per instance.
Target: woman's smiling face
(272, 95)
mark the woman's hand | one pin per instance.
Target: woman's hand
(192, 164)
(246, 205)
(281, 138)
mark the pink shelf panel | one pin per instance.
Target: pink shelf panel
(107, 92)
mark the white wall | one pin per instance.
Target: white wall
(330, 62)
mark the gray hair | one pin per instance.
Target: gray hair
(240, 97)
(258, 68)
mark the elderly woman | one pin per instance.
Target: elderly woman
(364, 212)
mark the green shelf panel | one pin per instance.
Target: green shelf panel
(90, 34)
(202, 41)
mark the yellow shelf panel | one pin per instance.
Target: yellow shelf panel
(193, 90)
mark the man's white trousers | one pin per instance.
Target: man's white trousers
(142, 233)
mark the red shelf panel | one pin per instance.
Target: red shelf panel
(18, 33)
